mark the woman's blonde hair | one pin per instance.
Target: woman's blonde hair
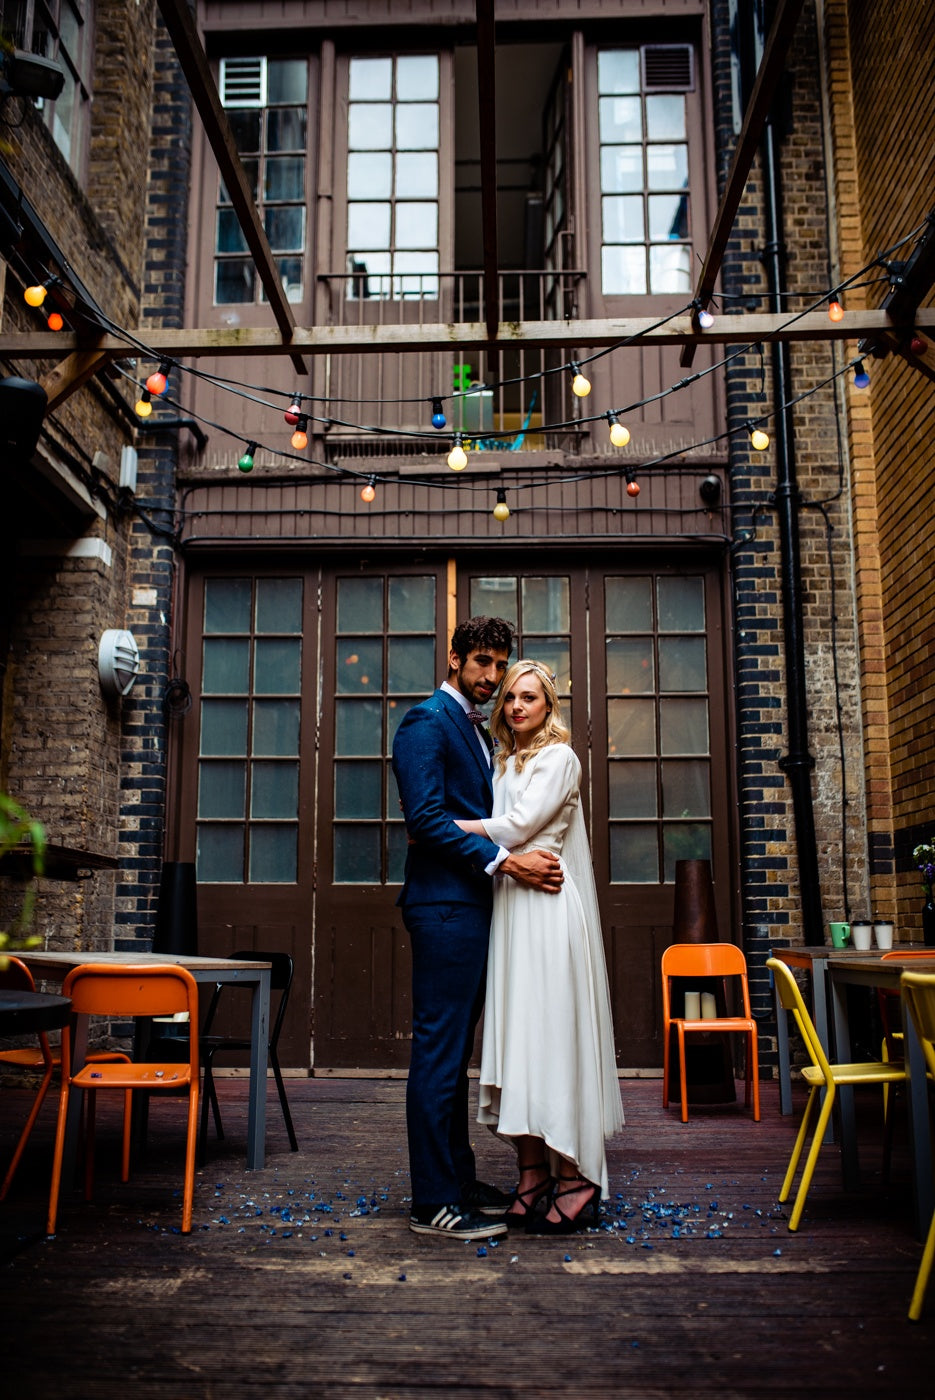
(553, 731)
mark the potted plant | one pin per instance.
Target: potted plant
(18, 831)
(924, 857)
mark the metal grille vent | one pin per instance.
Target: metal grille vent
(243, 82)
(668, 68)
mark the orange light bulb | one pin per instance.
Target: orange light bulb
(55, 321)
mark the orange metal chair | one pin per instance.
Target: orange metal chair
(106, 989)
(918, 988)
(695, 960)
(820, 1074)
(42, 1056)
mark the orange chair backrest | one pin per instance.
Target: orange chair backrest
(704, 960)
(118, 989)
(919, 990)
(16, 977)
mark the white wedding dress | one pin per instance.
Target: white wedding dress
(548, 1067)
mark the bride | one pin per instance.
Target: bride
(548, 1078)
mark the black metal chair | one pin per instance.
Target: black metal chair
(280, 980)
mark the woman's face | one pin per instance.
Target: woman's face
(525, 708)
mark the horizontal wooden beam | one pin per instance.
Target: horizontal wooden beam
(625, 334)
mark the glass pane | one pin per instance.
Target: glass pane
(416, 225)
(279, 605)
(284, 178)
(668, 216)
(416, 176)
(634, 855)
(629, 604)
(670, 269)
(546, 605)
(618, 70)
(622, 218)
(369, 175)
(621, 169)
(410, 664)
(681, 604)
(684, 842)
(630, 665)
(222, 789)
(395, 709)
(285, 129)
(412, 604)
(397, 845)
(360, 605)
(234, 282)
(226, 666)
(417, 77)
(358, 790)
(494, 597)
(682, 663)
(623, 271)
(227, 604)
(417, 126)
(667, 167)
(665, 117)
(274, 790)
(251, 168)
(416, 274)
(286, 80)
(632, 789)
(273, 855)
(278, 666)
(219, 859)
(224, 727)
(371, 79)
(285, 228)
(370, 127)
(245, 124)
(394, 810)
(275, 727)
(631, 727)
(357, 855)
(290, 277)
(359, 665)
(368, 225)
(620, 119)
(359, 726)
(230, 237)
(684, 726)
(685, 789)
(555, 655)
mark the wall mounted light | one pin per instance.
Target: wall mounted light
(118, 662)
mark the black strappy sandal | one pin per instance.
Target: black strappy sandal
(588, 1216)
(529, 1198)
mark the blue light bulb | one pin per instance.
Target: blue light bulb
(438, 414)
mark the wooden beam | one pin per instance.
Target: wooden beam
(772, 67)
(194, 62)
(487, 129)
(631, 334)
(62, 381)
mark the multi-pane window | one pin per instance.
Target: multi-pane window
(384, 664)
(392, 177)
(267, 107)
(60, 30)
(248, 764)
(658, 726)
(644, 170)
(540, 608)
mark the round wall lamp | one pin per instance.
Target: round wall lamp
(118, 662)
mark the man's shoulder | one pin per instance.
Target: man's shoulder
(426, 712)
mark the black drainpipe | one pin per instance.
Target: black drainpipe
(797, 763)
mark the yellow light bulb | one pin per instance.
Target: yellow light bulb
(501, 511)
(457, 458)
(619, 435)
(34, 296)
(143, 408)
(581, 386)
(759, 440)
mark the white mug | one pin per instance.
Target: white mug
(861, 937)
(883, 933)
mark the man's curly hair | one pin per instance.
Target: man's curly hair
(482, 634)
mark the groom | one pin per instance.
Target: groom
(442, 758)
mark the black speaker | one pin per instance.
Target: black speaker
(177, 914)
(22, 408)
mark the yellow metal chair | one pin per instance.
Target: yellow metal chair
(820, 1074)
(918, 988)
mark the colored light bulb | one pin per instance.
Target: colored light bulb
(580, 385)
(633, 488)
(759, 440)
(705, 319)
(158, 381)
(55, 321)
(246, 461)
(619, 435)
(368, 492)
(861, 377)
(143, 407)
(501, 510)
(457, 457)
(293, 413)
(438, 414)
(300, 436)
(835, 310)
(34, 296)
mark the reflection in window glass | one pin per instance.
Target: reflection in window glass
(630, 665)
(683, 841)
(360, 665)
(681, 604)
(494, 597)
(629, 604)
(686, 789)
(631, 727)
(683, 726)
(632, 791)
(682, 663)
(634, 855)
(546, 606)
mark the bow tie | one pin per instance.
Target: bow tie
(476, 717)
(480, 721)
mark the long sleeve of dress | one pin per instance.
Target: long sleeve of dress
(544, 805)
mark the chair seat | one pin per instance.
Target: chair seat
(132, 1076)
(873, 1072)
(723, 1023)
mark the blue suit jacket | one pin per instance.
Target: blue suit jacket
(442, 774)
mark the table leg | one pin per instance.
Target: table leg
(920, 1143)
(842, 1044)
(259, 1042)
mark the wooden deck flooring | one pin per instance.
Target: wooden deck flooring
(302, 1280)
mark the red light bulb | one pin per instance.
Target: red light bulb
(917, 345)
(633, 488)
(55, 322)
(157, 383)
(835, 310)
(293, 413)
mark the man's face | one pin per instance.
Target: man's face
(479, 674)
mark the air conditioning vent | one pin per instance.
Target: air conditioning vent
(243, 82)
(668, 68)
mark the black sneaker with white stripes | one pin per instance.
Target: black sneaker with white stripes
(454, 1221)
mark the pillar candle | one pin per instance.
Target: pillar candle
(708, 1009)
(692, 1006)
